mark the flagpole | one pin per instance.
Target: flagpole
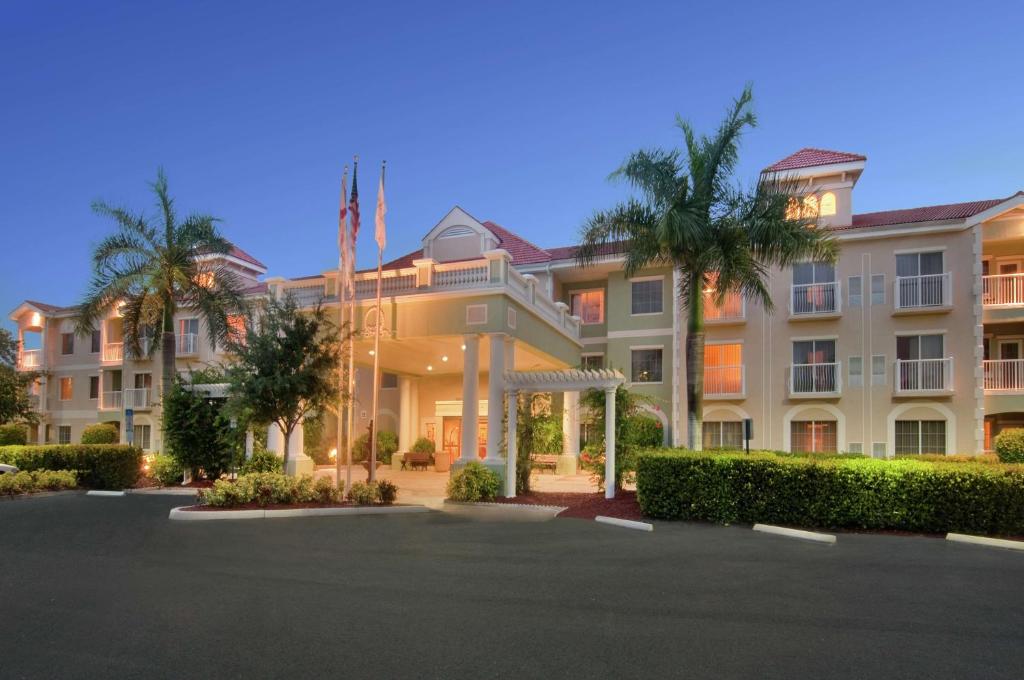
(341, 284)
(352, 315)
(374, 423)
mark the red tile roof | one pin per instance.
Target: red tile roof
(928, 213)
(245, 257)
(521, 250)
(50, 309)
(810, 157)
(569, 252)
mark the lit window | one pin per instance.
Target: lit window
(645, 365)
(588, 306)
(828, 204)
(723, 434)
(65, 389)
(723, 369)
(204, 279)
(141, 436)
(920, 436)
(646, 296)
(793, 209)
(812, 436)
(810, 206)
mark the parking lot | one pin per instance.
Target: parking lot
(108, 587)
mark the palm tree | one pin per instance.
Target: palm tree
(151, 267)
(692, 215)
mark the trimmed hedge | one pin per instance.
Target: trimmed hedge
(1010, 445)
(13, 434)
(100, 433)
(99, 466)
(832, 493)
(36, 481)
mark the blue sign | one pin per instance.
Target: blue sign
(129, 426)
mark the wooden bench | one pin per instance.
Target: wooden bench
(416, 459)
(545, 460)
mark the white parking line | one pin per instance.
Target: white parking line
(796, 533)
(1003, 543)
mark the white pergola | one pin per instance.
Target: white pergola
(568, 380)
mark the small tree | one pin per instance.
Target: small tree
(14, 402)
(198, 430)
(286, 366)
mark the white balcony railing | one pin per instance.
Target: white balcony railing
(1004, 375)
(113, 351)
(1003, 290)
(138, 397)
(924, 375)
(720, 381)
(188, 343)
(810, 299)
(30, 359)
(922, 292)
(144, 346)
(811, 379)
(112, 400)
(731, 309)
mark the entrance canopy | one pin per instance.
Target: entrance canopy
(566, 380)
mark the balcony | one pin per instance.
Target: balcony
(1004, 375)
(811, 381)
(111, 401)
(30, 360)
(188, 343)
(138, 398)
(732, 310)
(815, 301)
(925, 293)
(113, 352)
(923, 377)
(144, 345)
(724, 382)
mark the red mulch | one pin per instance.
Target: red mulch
(583, 505)
(277, 506)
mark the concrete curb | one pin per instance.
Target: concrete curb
(180, 513)
(516, 506)
(812, 536)
(1004, 543)
(624, 523)
(105, 494)
(163, 491)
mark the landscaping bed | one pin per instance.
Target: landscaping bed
(582, 505)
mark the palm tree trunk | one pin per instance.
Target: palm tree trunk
(695, 364)
(168, 353)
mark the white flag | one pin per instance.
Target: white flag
(382, 210)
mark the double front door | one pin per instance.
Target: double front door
(451, 437)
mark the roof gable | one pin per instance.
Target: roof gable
(810, 157)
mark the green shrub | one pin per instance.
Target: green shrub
(166, 470)
(99, 466)
(863, 493)
(13, 434)
(325, 491)
(37, 480)
(643, 432)
(1010, 445)
(198, 431)
(387, 492)
(269, 488)
(100, 433)
(474, 483)
(983, 458)
(363, 493)
(387, 444)
(423, 445)
(262, 461)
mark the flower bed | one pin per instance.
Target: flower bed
(36, 481)
(857, 493)
(583, 505)
(267, 490)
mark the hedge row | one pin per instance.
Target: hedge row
(99, 466)
(838, 493)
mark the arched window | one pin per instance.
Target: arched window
(828, 204)
(792, 209)
(810, 206)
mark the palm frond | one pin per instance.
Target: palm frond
(629, 225)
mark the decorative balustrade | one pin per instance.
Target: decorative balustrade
(1004, 375)
(812, 379)
(458, 274)
(1003, 290)
(924, 375)
(113, 352)
(922, 292)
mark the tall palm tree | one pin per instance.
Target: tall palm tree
(151, 267)
(691, 215)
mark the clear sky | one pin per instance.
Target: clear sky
(516, 114)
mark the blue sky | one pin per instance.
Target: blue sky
(516, 114)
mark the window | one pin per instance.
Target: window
(388, 381)
(878, 289)
(805, 273)
(920, 362)
(592, 361)
(814, 289)
(647, 298)
(919, 264)
(812, 436)
(236, 328)
(814, 366)
(855, 447)
(96, 341)
(94, 387)
(919, 279)
(915, 347)
(646, 365)
(920, 436)
(723, 368)
(67, 343)
(141, 436)
(810, 206)
(65, 389)
(878, 450)
(828, 204)
(727, 434)
(855, 291)
(63, 434)
(588, 306)
(856, 372)
(878, 369)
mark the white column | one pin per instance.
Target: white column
(609, 443)
(495, 394)
(571, 424)
(275, 440)
(405, 428)
(414, 410)
(250, 443)
(470, 397)
(510, 452)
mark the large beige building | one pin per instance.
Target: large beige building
(912, 342)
